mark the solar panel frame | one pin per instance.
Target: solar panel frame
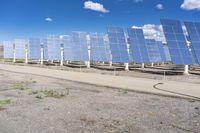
(53, 47)
(176, 41)
(138, 48)
(99, 48)
(193, 29)
(8, 49)
(80, 46)
(162, 52)
(167, 53)
(34, 48)
(153, 51)
(118, 45)
(20, 48)
(68, 48)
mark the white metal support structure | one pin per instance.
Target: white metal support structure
(88, 62)
(126, 67)
(14, 53)
(41, 55)
(142, 65)
(26, 54)
(152, 64)
(61, 56)
(110, 63)
(186, 69)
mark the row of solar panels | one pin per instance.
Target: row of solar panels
(114, 47)
(111, 48)
(184, 49)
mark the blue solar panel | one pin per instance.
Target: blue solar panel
(34, 48)
(53, 47)
(80, 46)
(138, 46)
(68, 48)
(99, 48)
(167, 54)
(8, 49)
(162, 52)
(153, 51)
(20, 46)
(193, 29)
(117, 44)
(178, 48)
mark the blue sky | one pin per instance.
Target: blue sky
(37, 18)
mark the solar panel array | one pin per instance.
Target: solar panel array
(153, 51)
(8, 49)
(34, 48)
(53, 47)
(166, 52)
(176, 41)
(99, 49)
(161, 50)
(137, 45)
(68, 48)
(20, 46)
(80, 46)
(114, 47)
(193, 29)
(117, 44)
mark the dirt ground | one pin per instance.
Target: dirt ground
(36, 104)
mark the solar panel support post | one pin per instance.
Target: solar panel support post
(26, 55)
(14, 55)
(87, 63)
(126, 67)
(61, 56)
(41, 56)
(152, 64)
(142, 65)
(110, 63)
(186, 69)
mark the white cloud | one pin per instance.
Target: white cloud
(131, 1)
(137, 1)
(152, 31)
(191, 5)
(160, 6)
(48, 19)
(95, 7)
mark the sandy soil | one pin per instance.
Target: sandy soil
(82, 108)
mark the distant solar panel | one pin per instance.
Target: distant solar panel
(167, 54)
(34, 48)
(80, 46)
(68, 48)
(99, 49)
(8, 49)
(138, 46)
(20, 47)
(53, 47)
(176, 41)
(117, 44)
(45, 48)
(162, 52)
(153, 51)
(193, 29)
